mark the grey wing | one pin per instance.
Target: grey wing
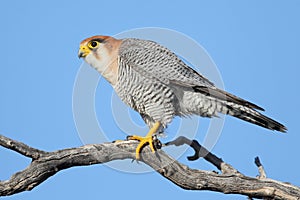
(153, 60)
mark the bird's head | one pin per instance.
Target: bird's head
(101, 52)
(91, 45)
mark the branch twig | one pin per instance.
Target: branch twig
(21, 148)
(261, 170)
(202, 152)
(46, 164)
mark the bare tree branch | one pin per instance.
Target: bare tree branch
(46, 164)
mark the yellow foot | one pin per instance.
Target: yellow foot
(148, 139)
(143, 141)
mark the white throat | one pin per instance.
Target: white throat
(105, 64)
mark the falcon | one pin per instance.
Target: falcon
(157, 84)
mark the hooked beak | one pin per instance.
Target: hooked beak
(83, 51)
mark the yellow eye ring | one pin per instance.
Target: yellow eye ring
(93, 44)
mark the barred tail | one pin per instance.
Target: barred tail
(240, 108)
(254, 117)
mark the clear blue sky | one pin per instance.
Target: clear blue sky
(255, 45)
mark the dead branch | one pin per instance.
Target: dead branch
(46, 164)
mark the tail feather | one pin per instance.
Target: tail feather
(252, 116)
(238, 107)
(223, 95)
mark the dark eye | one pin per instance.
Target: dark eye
(93, 44)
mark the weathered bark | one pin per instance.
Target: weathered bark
(46, 164)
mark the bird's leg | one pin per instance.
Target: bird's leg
(148, 139)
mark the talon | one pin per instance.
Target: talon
(148, 139)
(143, 141)
(157, 143)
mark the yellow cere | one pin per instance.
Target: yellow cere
(83, 51)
